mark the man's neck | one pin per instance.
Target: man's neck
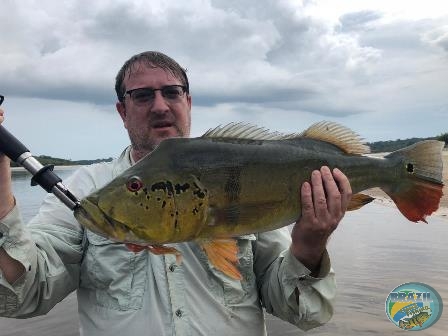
(136, 155)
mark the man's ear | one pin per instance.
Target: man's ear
(121, 108)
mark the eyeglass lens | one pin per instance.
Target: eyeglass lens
(146, 95)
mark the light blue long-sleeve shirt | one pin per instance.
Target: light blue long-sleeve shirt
(125, 293)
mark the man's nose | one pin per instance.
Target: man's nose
(159, 103)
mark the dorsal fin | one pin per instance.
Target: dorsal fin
(338, 135)
(246, 131)
(331, 132)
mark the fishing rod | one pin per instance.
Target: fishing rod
(42, 175)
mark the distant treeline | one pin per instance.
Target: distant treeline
(48, 160)
(392, 145)
(376, 147)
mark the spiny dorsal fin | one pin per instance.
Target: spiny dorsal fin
(338, 135)
(331, 132)
(246, 131)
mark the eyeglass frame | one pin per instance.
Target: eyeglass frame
(184, 90)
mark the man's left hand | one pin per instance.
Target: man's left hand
(324, 203)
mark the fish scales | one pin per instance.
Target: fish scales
(254, 186)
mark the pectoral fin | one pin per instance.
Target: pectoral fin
(358, 201)
(223, 255)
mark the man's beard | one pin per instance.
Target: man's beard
(144, 144)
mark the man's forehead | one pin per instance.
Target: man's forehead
(141, 68)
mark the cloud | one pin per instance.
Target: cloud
(358, 20)
(261, 55)
(437, 37)
(268, 61)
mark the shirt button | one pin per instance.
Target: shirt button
(179, 313)
(172, 267)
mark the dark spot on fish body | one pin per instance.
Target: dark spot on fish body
(232, 187)
(164, 186)
(200, 194)
(181, 188)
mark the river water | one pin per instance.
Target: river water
(374, 250)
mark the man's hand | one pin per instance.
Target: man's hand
(324, 203)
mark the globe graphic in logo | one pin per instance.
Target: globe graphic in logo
(414, 306)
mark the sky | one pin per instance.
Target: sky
(377, 67)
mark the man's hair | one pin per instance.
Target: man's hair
(152, 59)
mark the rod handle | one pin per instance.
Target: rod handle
(10, 145)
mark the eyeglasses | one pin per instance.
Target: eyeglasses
(2, 98)
(144, 96)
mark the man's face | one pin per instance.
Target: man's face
(148, 125)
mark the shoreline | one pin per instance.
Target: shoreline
(21, 169)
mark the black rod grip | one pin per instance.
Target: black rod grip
(10, 145)
(46, 178)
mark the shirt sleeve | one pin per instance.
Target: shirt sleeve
(287, 289)
(49, 248)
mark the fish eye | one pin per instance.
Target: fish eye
(134, 184)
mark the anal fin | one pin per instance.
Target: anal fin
(223, 255)
(358, 201)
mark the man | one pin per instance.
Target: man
(121, 292)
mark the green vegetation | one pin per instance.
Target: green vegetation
(443, 137)
(48, 160)
(392, 145)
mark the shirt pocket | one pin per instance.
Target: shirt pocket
(115, 276)
(234, 291)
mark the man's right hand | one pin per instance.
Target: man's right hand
(6, 196)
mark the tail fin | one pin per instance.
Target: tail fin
(419, 193)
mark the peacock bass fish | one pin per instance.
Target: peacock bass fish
(415, 321)
(241, 179)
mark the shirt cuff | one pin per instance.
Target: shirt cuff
(299, 274)
(14, 239)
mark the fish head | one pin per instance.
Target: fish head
(136, 209)
(423, 317)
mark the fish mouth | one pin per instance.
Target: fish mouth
(89, 215)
